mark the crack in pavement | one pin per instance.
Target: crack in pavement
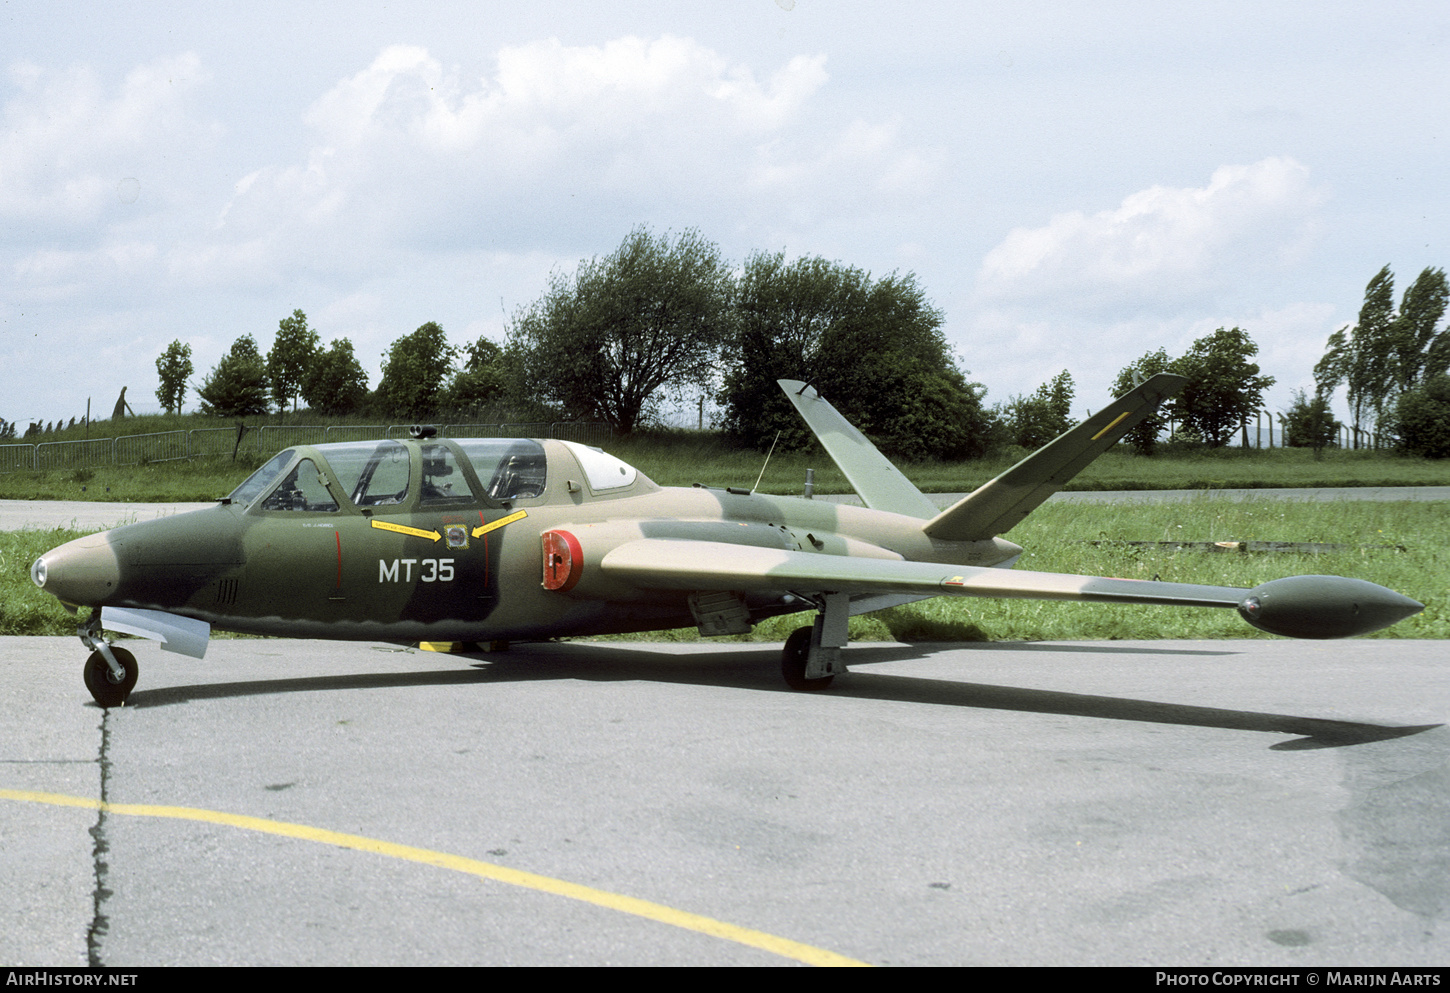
(100, 923)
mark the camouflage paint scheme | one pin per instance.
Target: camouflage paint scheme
(441, 540)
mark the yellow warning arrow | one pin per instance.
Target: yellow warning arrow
(404, 529)
(479, 532)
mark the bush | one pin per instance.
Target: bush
(1309, 423)
(1422, 419)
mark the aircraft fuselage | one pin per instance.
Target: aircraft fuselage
(471, 569)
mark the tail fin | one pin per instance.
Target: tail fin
(880, 484)
(995, 507)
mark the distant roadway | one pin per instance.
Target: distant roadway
(83, 515)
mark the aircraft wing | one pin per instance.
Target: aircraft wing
(682, 564)
(1296, 606)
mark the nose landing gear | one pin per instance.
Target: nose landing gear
(110, 672)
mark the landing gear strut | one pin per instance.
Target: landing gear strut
(812, 656)
(110, 672)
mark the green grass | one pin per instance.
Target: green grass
(194, 480)
(24, 609)
(1056, 539)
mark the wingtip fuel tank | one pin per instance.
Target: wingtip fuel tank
(1324, 607)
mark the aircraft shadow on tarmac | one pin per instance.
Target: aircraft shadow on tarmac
(758, 670)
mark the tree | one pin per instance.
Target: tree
(874, 348)
(1413, 330)
(1422, 419)
(1224, 388)
(1363, 357)
(1033, 421)
(335, 382)
(413, 372)
(1387, 353)
(237, 385)
(291, 357)
(483, 379)
(1144, 437)
(173, 368)
(605, 342)
(1309, 423)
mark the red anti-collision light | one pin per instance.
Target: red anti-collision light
(563, 561)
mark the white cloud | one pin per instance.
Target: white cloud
(412, 155)
(1160, 243)
(546, 98)
(69, 149)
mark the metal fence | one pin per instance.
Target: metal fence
(166, 446)
(14, 457)
(73, 454)
(212, 441)
(275, 437)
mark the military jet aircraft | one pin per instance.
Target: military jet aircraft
(495, 539)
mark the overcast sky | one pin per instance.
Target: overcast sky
(1073, 184)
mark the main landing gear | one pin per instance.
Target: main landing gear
(110, 672)
(812, 656)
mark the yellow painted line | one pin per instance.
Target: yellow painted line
(784, 947)
(404, 529)
(1112, 425)
(479, 532)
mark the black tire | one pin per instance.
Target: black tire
(98, 677)
(793, 662)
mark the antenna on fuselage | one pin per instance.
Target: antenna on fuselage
(767, 462)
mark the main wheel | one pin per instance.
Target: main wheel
(108, 692)
(793, 662)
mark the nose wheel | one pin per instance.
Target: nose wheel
(110, 672)
(102, 682)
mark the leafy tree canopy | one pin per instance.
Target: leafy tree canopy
(335, 382)
(1413, 331)
(1309, 422)
(1388, 352)
(605, 342)
(290, 359)
(237, 385)
(413, 373)
(1033, 421)
(1144, 437)
(173, 368)
(1422, 419)
(1224, 388)
(484, 379)
(874, 348)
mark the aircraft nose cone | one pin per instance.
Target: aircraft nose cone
(83, 572)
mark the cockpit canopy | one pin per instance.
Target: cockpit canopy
(380, 474)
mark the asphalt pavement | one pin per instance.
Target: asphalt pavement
(1256, 802)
